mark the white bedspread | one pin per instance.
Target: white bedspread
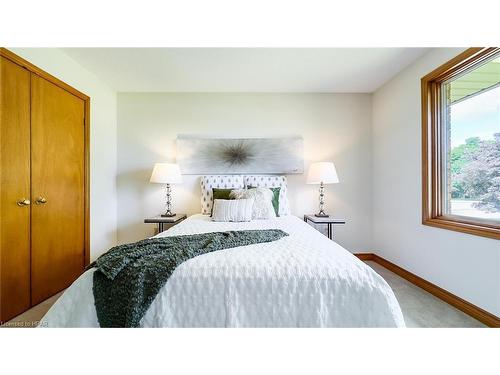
(303, 280)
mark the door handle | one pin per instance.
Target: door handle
(23, 202)
(40, 200)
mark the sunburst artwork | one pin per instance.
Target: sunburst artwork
(196, 155)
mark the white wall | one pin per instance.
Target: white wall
(466, 265)
(334, 126)
(102, 139)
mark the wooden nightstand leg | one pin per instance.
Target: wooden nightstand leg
(330, 231)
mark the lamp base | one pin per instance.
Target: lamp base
(321, 214)
(168, 192)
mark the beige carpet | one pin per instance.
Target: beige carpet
(420, 309)
(31, 317)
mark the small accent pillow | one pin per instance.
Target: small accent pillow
(236, 210)
(262, 206)
(220, 194)
(276, 198)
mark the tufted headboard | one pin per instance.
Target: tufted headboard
(240, 182)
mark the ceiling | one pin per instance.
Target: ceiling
(360, 70)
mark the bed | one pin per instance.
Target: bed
(302, 280)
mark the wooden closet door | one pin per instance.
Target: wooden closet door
(14, 187)
(57, 185)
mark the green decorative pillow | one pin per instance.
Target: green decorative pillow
(220, 194)
(276, 198)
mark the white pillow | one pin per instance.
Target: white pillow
(220, 182)
(232, 210)
(268, 181)
(262, 206)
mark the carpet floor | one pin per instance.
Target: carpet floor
(420, 308)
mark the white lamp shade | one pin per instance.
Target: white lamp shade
(166, 173)
(322, 172)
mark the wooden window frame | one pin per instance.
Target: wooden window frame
(433, 147)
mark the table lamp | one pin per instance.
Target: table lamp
(322, 173)
(166, 173)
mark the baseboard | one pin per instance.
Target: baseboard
(365, 256)
(470, 309)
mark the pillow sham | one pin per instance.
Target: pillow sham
(236, 210)
(269, 181)
(276, 198)
(221, 193)
(262, 206)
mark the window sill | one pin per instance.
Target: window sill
(462, 225)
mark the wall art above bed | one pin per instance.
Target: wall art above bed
(197, 155)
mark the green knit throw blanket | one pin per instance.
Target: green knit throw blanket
(128, 277)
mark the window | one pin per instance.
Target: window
(461, 144)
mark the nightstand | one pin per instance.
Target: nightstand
(328, 221)
(165, 223)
